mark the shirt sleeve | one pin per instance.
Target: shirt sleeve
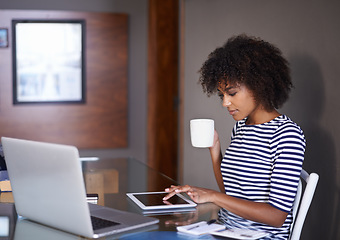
(288, 147)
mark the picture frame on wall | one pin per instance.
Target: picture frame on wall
(48, 61)
(3, 37)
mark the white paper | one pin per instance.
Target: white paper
(200, 228)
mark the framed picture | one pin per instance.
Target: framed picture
(3, 37)
(48, 61)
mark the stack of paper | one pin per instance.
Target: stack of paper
(200, 228)
(238, 233)
(92, 198)
(210, 227)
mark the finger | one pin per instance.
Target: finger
(169, 195)
(171, 188)
(176, 189)
(167, 203)
(185, 188)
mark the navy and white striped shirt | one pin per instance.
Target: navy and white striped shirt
(263, 164)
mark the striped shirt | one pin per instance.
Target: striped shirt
(263, 164)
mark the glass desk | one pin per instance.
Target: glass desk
(111, 179)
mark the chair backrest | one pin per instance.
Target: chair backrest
(300, 212)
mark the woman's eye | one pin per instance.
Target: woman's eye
(232, 94)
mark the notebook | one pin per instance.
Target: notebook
(42, 174)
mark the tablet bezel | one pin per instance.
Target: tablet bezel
(189, 203)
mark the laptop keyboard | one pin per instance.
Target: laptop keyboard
(99, 223)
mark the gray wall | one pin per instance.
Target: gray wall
(308, 33)
(137, 72)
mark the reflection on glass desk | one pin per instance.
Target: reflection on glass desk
(111, 179)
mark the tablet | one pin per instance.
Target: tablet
(154, 201)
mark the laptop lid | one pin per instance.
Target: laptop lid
(42, 175)
(48, 188)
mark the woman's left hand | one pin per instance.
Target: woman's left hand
(198, 195)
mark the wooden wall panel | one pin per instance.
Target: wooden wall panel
(163, 86)
(99, 123)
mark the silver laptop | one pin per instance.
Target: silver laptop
(48, 188)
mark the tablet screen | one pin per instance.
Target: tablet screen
(156, 199)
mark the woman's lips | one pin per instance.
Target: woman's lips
(232, 112)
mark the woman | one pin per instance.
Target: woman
(258, 174)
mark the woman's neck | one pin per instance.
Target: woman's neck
(261, 117)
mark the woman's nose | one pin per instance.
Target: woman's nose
(226, 102)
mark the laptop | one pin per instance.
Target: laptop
(42, 174)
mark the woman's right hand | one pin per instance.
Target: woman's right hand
(216, 157)
(216, 139)
(215, 149)
(197, 194)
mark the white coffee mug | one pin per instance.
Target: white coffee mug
(202, 132)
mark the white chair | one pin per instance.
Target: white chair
(300, 213)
